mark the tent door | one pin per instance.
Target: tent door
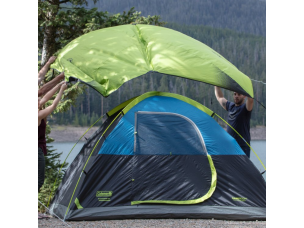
(171, 160)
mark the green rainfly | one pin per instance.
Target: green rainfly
(107, 58)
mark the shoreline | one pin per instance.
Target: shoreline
(62, 133)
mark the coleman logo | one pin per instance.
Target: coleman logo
(239, 198)
(104, 199)
(103, 193)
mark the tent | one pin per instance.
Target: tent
(107, 58)
(161, 155)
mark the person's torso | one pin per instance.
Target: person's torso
(41, 136)
(239, 119)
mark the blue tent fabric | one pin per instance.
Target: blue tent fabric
(217, 141)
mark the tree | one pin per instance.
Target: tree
(52, 166)
(59, 22)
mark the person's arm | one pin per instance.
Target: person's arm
(249, 104)
(47, 111)
(44, 69)
(49, 95)
(48, 86)
(220, 97)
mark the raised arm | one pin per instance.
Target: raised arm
(220, 97)
(47, 111)
(44, 69)
(48, 86)
(49, 95)
(249, 104)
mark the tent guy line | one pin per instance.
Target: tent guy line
(54, 214)
(258, 81)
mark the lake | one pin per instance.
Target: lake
(258, 146)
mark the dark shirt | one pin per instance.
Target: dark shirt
(239, 119)
(41, 136)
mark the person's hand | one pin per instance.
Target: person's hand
(63, 86)
(60, 84)
(52, 59)
(60, 76)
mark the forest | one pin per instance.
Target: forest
(247, 16)
(246, 51)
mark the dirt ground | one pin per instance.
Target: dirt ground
(72, 134)
(155, 223)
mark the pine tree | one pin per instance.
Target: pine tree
(59, 22)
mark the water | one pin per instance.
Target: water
(65, 148)
(258, 146)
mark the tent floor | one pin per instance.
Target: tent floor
(167, 211)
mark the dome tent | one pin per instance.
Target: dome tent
(161, 155)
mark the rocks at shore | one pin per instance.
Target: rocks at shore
(61, 133)
(258, 133)
(71, 134)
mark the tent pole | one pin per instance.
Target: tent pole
(242, 138)
(87, 162)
